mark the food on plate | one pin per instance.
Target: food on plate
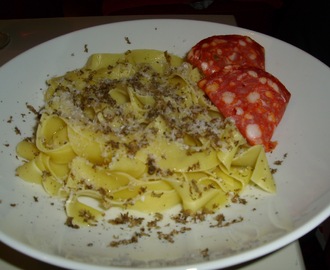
(214, 53)
(236, 82)
(134, 130)
(254, 99)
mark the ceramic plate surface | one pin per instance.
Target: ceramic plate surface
(33, 223)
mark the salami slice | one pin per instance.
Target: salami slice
(213, 53)
(254, 99)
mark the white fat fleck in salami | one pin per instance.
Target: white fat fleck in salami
(205, 45)
(248, 116)
(249, 40)
(212, 87)
(228, 97)
(242, 43)
(220, 41)
(233, 56)
(241, 76)
(239, 111)
(271, 118)
(253, 97)
(263, 80)
(215, 42)
(219, 51)
(273, 85)
(253, 131)
(253, 74)
(205, 66)
(253, 56)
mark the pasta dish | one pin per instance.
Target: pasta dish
(133, 130)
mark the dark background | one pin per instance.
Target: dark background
(302, 23)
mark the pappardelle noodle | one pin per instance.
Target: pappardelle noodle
(134, 131)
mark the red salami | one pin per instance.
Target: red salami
(213, 53)
(252, 97)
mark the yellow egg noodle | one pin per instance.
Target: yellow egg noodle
(134, 131)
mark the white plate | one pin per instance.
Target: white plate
(270, 222)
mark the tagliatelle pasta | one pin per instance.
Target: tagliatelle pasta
(134, 131)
